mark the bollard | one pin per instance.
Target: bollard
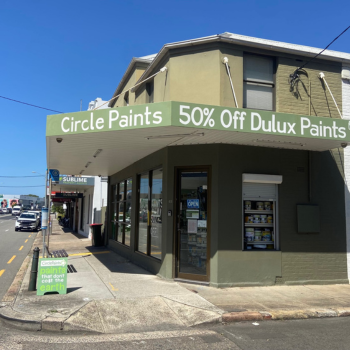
(34, 270)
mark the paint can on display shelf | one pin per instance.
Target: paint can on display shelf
(269, 219)
(266, 235)
(256, 219)
(249, 234)
(257, 235)
(247, 205)
(263, 219)
(259, 205)
(267, 205)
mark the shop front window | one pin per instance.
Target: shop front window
(150, 213)
(122, 211)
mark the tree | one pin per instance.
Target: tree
(58, 209)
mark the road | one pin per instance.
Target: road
(14, 247)
(312, 334)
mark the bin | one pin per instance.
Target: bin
(96, 235)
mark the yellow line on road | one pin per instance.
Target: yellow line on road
(26, 241)
(1, 272)
(10, 261)
(21, 248)
(89, 253)
(115, 289)
(30, 236)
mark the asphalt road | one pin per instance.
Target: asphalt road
(312, 334)
(14, 247)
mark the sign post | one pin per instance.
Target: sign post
(44, 220)
(52, 276)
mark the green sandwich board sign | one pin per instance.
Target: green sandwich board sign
(52, 276)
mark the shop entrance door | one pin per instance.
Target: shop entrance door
(192, 223)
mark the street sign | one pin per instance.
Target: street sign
(54, 174)
(52, 276)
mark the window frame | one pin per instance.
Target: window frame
(149, 213)
(258, 82)
(117, 201)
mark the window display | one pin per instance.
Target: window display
(259, 224)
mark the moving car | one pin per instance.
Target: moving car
(16, 210)
(27, 221)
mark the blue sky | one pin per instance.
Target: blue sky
(54, 54)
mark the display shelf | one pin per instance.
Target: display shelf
(258, 211)
(194, 243)
(201, 245)
(261, 242)
(257, 225)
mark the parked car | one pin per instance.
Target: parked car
(37, 213)
(1, 211)
(9, 210)
(27, 221)
(4, 210)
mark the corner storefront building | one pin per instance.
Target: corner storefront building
(225, 161)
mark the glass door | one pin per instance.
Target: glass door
(193, 215)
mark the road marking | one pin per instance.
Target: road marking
(21, 248)
(26, 241)
(6, 230)
(89, 253)
(10, 261)
(1, 272)
(30, 236)
(115, 289)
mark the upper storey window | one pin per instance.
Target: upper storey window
(150, 91)
(258, 82)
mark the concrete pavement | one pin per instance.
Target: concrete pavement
(108, 294)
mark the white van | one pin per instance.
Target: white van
(16, 210)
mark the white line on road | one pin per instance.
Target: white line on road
(6, 230)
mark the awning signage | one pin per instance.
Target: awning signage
(76, 180)
(200, 117)
(68, 195)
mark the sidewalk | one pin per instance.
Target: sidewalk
(108, 294)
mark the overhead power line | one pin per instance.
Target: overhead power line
(29, 104)
(325, 47)
(16, 176)
(25, 186)
(294, 76)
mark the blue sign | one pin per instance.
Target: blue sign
(44, 218)
(193, 203)
(54, 174)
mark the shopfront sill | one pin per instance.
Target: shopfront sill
(148, 256)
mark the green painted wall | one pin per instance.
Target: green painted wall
(297, 101)
(303, 258)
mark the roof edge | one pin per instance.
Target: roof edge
(131, 65)
(273, 45)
